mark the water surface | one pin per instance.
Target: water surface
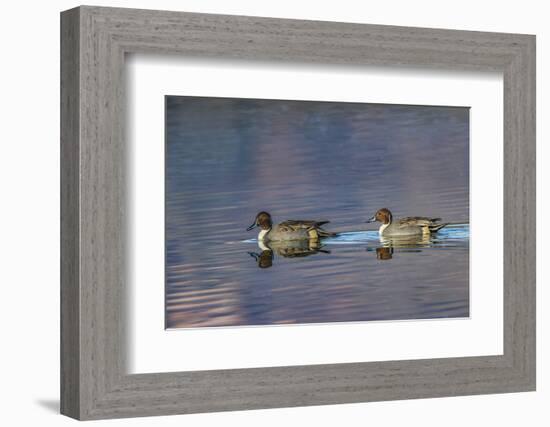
(227, 159)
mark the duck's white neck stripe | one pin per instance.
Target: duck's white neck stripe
(262, 234)
(382, 228)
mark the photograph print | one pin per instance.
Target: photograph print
(283, 212)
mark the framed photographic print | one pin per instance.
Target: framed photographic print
(262, 213)
(228, 156)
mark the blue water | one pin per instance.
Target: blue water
(227, 159)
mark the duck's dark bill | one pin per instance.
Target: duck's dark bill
(250, 227)
(372, 219)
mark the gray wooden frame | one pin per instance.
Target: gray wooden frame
(94, 382)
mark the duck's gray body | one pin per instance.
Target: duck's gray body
(411, 226)
(295, 230)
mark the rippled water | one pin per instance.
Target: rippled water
(227, 159)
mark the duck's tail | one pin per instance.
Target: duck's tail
(324, 233)
(436, 227)
(316, 231)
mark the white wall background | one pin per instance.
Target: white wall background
(29, 212)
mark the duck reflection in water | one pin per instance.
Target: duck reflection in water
(287, 249)
(384, 253)
(264, 259)
(402, 244)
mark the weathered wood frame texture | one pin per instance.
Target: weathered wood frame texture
(94, 41)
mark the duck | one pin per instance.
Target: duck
(288, 230)
(405, 227)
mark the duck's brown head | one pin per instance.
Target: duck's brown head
(263, 220)
(382, 215)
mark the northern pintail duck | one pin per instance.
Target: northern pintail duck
(405, 227)
(288, 230)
